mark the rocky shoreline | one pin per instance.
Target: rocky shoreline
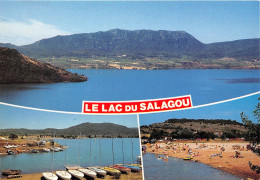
(16, 68)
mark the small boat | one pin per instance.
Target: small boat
(55, 149)
(89, 173)
(72, 167)
(133, 168)
(10, 152)
(63, 175)
(49, 176)
(76, 173)
(11, 172)
(188, 158)
(122, 169)
(8, 146)
(138, 165)
(139, 159)
(14, 176)
(98, 171)
(112, 171)
(34, 151)
(46, 150)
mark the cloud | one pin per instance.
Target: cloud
(22, 33)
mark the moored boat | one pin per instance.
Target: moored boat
(112, 171)
(76, 173)
(46, 150)
(49, 176)
(122, 169)
(188, 158)
(11, 172)
(55, 149)
(138, 165)
(88, 172)
(10, 152)
(34, 151)
(133, 168)
(63, 175)
(98, 171)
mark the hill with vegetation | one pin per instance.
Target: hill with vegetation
(18, 68)
(142, 49)
(137, 43)
(86, 129)
(194, 128)
(116, 42)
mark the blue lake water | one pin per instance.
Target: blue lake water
(78, 153)
(204, 86)
(180, 170)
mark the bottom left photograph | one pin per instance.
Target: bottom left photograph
(47, 145)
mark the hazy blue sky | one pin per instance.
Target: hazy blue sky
(12, 117)
(27, 22)
(228, 110)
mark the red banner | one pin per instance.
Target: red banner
(136, 107)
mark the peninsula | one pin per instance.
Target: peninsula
(16, 68)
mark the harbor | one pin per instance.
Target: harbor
(82, 158)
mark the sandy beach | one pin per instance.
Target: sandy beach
(36, 176)
(211, 153)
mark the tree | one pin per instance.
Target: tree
(253, 132)
(157, 134)
(13, 136)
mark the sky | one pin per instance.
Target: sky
(228, 110)
(24, 22)
(12, 117)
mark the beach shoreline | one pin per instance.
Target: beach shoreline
(212, 155)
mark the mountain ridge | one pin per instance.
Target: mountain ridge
(86, 129)
(137, 42)
(142, 49)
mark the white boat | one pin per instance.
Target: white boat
(89, 173)
(55, 149)
(76, 174)
(64, 175)
(46, 150)
(98, 171)
(49, 176)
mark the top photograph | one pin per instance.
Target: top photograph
(56, 54)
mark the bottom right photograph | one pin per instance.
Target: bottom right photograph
(219, 141)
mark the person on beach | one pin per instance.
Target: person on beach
(222, 150)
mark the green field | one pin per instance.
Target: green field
(121, 62)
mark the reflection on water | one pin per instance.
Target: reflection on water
(179, 169)
(242, 80)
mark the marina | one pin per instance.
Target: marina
(98, 165)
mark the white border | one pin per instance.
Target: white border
(68, 112)
(146, 100)
(140, 144)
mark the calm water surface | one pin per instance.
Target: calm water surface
(204, 86)
(78, 153)
(179, 169)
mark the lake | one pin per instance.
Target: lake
(205, 86)
(78, 153)
(179, 169)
